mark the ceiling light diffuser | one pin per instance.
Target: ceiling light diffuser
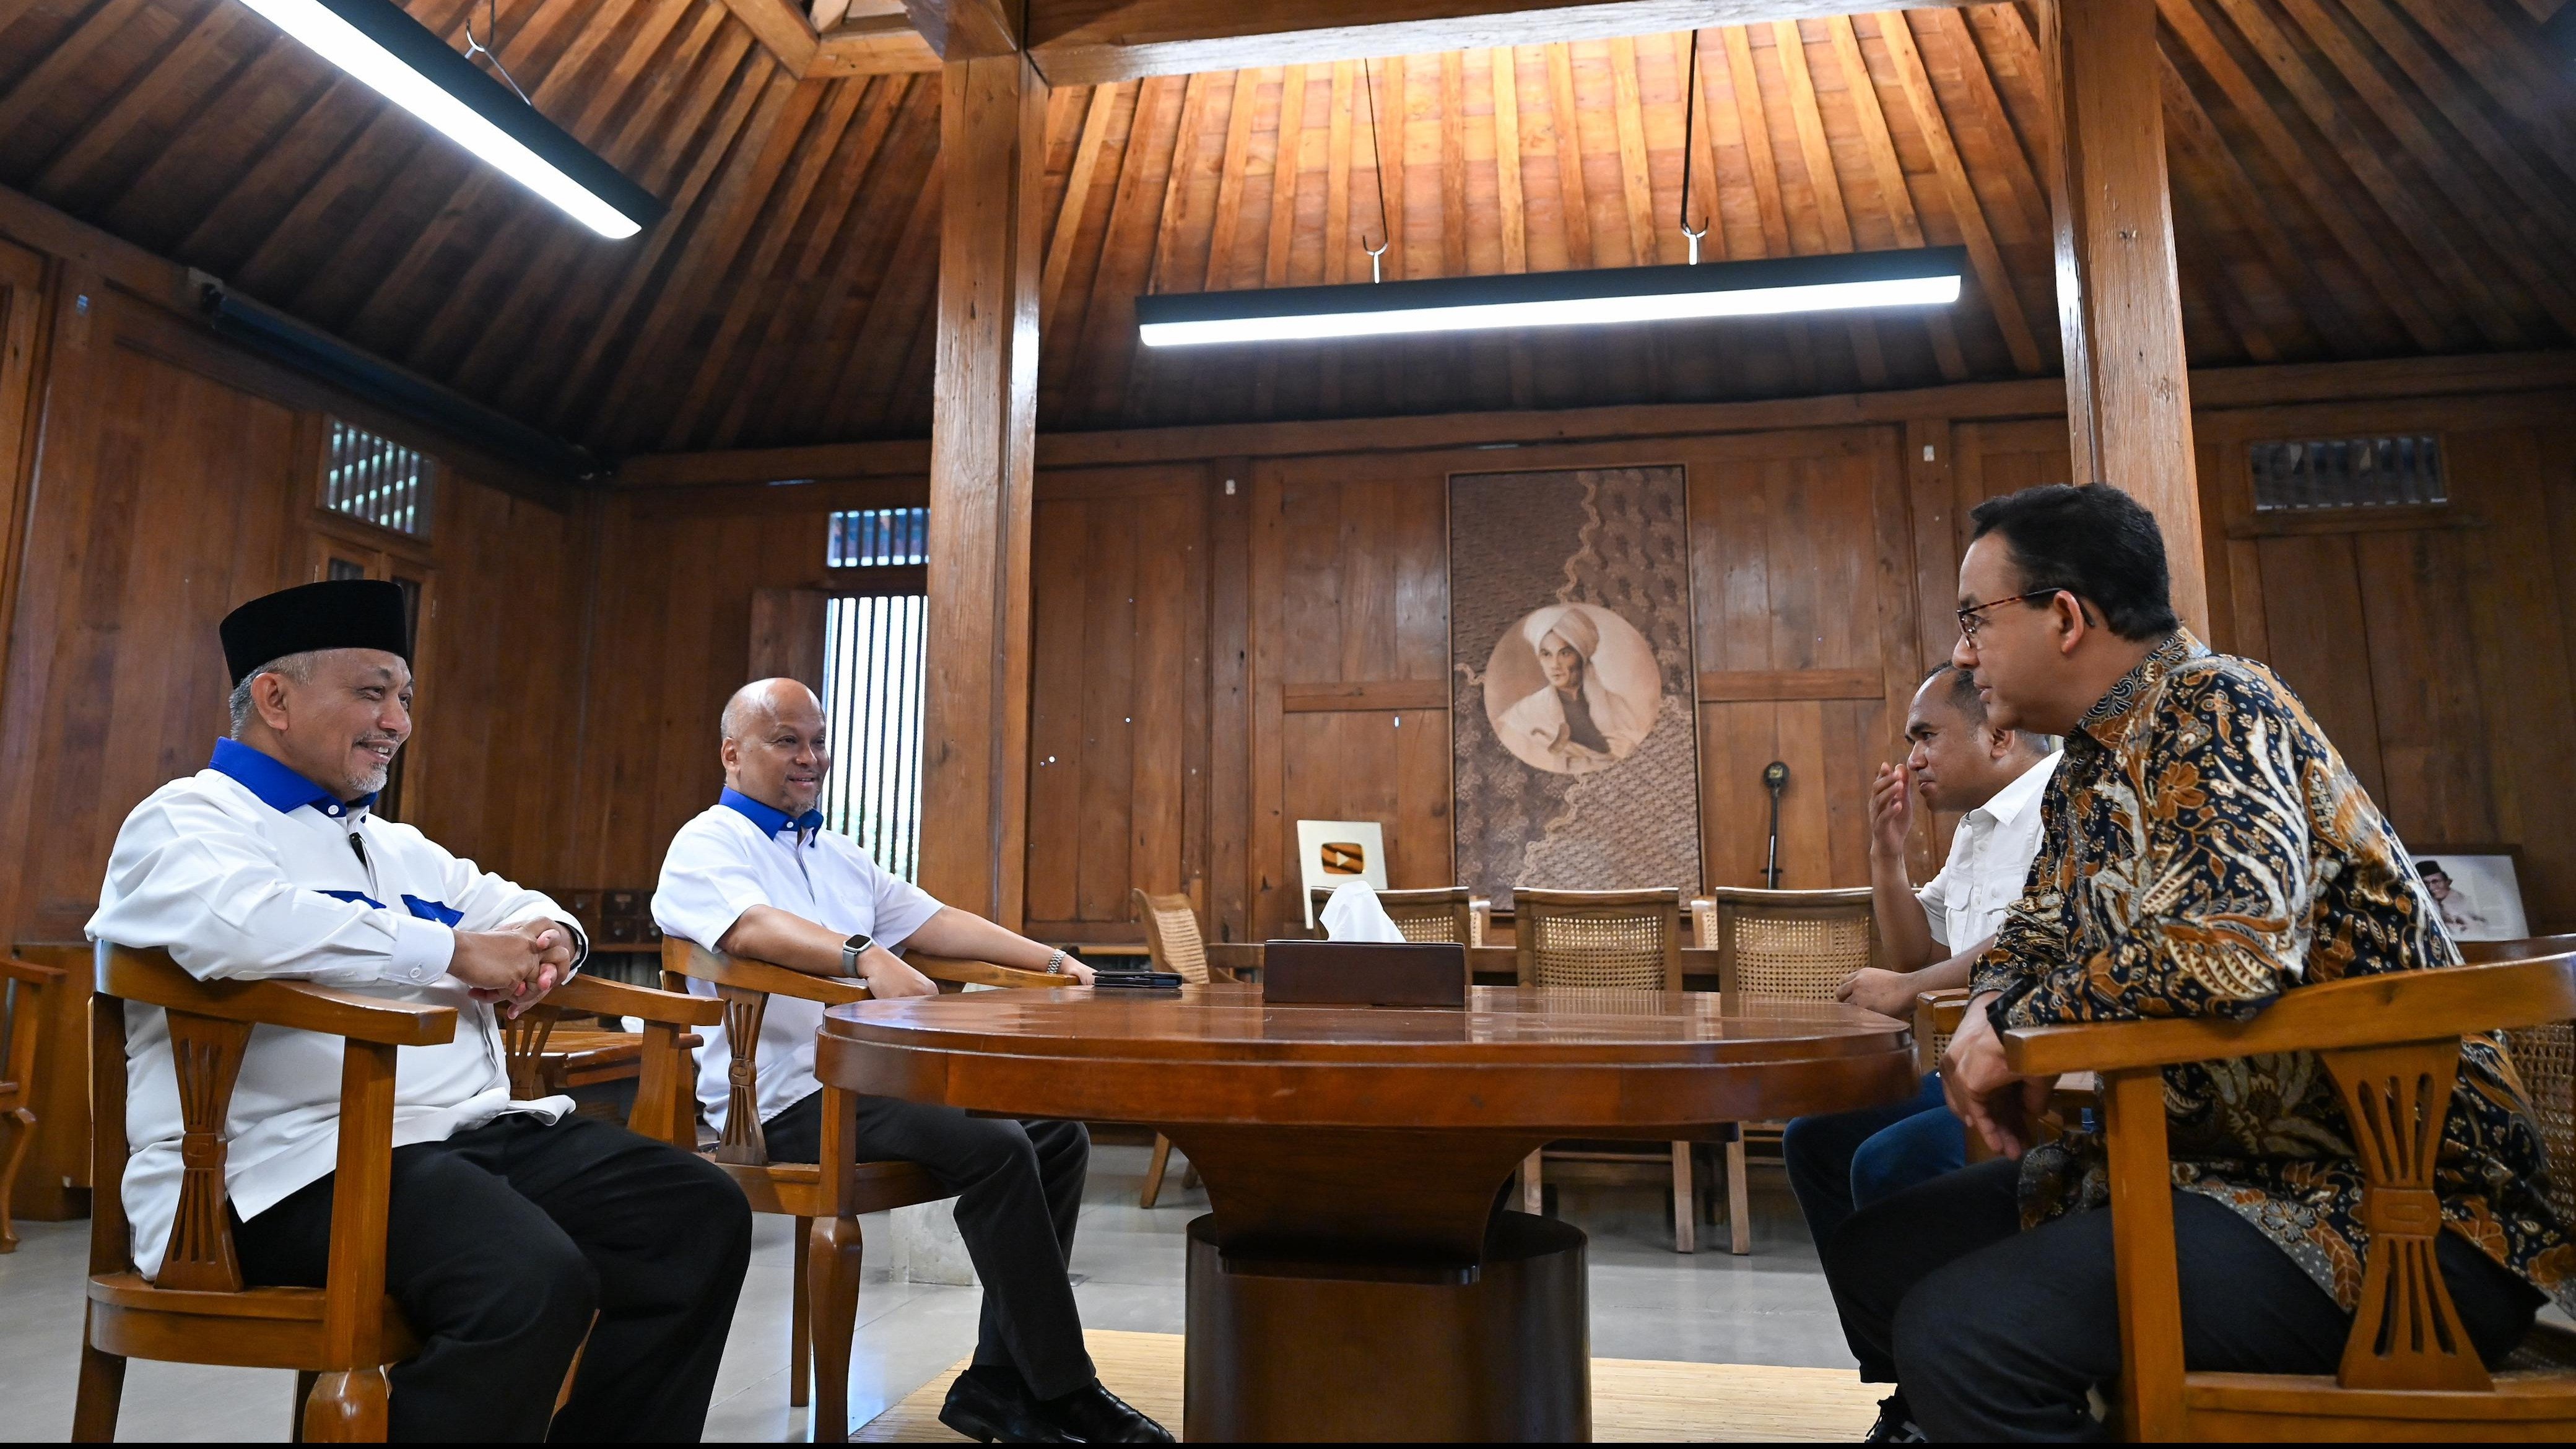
(375, 41)
(1921, 277)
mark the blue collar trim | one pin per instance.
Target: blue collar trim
(769, 819)
(278, 786)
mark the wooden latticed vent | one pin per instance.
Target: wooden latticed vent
(378, 480)
(2302, 475)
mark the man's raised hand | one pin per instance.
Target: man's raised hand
(1891, 810)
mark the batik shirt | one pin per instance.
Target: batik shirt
(2203, 850)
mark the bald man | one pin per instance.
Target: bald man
(756, 875)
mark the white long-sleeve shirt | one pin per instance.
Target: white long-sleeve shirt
(741, 853)
(1990, 856)
(246, 870)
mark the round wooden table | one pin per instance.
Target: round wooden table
(1354, 1278)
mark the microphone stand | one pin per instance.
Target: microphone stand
(1775, 778)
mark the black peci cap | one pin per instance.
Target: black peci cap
(339, 614)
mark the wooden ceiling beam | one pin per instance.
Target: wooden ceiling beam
(751, 289)
(878, 43)
(707, 260)
(2528, 213)
(968, 29)
(2508, 65)
(815, 276)
(575, 338)
(2397, 200)
(1833, 213)
(1636, 179)
(2402, 295)
(2194, 138)
(1231, 183)
(1083, 42)
(1077, 200)
(516, 296)
(393, 288)
(175, 70)
(1993, 277)
(1565, 134)
(871, 45)
(1505, 73)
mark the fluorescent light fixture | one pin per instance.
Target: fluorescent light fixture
(1922, 277)
(410, 66)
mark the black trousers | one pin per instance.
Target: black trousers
(1019, 1189)
(503, 1240)
(1996, 1333)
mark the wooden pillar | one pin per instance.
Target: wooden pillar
(2119, 302)
(983, 438)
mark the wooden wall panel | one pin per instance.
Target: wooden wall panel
(1805, 642)
(1119, 609)
(2432, 645)
(177, 478)
(1354, 552)
(1824, 563)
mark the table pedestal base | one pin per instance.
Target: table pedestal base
(1293, 1351)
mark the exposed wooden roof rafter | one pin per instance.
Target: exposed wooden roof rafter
(2353, 179)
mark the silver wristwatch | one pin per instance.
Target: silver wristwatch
(852, 949)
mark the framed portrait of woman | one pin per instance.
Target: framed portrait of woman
(1575, 758)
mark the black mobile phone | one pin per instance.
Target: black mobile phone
(1137, 980)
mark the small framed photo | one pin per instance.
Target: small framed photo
(1333, 851)
(2477, 889)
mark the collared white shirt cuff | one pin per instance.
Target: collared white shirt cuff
(580, 941)
(422, 951)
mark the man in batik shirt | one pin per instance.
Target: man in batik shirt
(2204, 849)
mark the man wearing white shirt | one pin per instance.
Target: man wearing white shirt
(1843, 1161)
(756, 875)
(511, 1223)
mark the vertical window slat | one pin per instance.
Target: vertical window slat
(872, 701)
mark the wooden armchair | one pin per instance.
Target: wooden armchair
(26, 985)
(825, 1204)
(340, 1337)
(1779, 946)
(2392, 1045)
(1615, 940)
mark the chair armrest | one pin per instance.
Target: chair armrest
(13, 969)
(690, 959)
(153, 979)
(587, 994)
(2403, 1006)
(980, 973)
(1227, 960)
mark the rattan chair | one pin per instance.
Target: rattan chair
(1173, 942)
(2545, 1057)
(1606, 941)
(1779, 946)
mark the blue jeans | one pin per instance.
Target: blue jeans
(1844, 1161)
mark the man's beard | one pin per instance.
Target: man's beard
(372, 781)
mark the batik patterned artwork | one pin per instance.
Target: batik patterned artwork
(1576, 759)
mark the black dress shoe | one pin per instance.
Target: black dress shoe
(989, 1405)
(1093, 1415)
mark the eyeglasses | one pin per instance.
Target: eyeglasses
(1971, 619)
